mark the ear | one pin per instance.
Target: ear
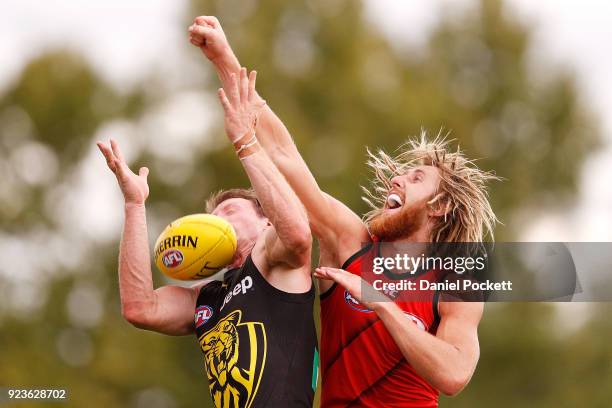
(439, 206)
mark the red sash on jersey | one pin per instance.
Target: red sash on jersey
(360, 363)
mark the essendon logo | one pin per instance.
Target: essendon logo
(353, 303)
(416, 321)
(202, 315)
(172, 258)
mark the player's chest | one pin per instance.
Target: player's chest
(353, 314)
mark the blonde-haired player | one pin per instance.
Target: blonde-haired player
(382, 354)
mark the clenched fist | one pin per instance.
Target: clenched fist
(206, 33)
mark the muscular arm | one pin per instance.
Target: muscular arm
(169, 309)
(287, 244)
(339, 229)
(446, 360)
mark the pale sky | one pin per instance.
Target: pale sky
(125, 40)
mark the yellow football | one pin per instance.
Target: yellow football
(195, 247)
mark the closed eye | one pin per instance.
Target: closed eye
(417, 176)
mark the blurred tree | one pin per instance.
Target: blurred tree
(339, 86)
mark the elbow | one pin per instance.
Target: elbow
(136, 315)
(453, 384)
(300, 242)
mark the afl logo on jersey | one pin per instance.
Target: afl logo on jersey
(172, 258)
(202, 315)
(353, 303)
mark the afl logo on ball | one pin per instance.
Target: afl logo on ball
(202, 315)
(353, 303)
(172, 258)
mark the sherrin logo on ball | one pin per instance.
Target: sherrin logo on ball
(194, 247)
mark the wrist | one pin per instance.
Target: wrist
(134, 205)
(381, 308)
(226, 62)
(246, 145)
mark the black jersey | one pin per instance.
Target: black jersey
(259, 343)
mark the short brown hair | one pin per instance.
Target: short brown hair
(222, 195)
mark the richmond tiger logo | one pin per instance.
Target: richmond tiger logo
(234, 377)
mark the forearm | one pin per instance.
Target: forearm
(135, 280)
(278, 200)
(439, 362)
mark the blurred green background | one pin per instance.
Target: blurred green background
(339, 86)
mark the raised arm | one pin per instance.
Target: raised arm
(169, 309)
(338, 228)
(287, 242)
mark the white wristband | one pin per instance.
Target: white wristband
(251, 142)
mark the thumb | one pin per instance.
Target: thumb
(143, 172)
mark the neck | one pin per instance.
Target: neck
(422, 235)
(242, 252)
(413, 245)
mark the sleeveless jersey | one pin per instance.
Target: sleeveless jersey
(361, 365)
(259, 343)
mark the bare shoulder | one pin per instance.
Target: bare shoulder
(281, 268)
(197, 287)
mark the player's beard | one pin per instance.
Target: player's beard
(394, 225)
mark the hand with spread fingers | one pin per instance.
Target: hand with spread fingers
(359, 289)
(241, 105)
(133, 186)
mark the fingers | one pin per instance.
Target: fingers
(116, 150)
(327, 270)
(323, 272)
(108, 155)
(340, 276)
(196, 40)
(233, 92)
(210, 20)
(201, 32)
(244, 85)
(252, 79)
(143, 172)
(224, 101)
(321, 275)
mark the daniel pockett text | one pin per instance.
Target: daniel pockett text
(464, 269)
(493, 272)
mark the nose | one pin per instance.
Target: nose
(396, 182)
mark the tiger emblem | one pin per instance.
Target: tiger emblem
(234, 377)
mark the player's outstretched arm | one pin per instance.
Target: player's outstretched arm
(335, 225)
(288, 242)
(169, 309)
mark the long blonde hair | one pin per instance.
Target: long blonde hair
(462, 190)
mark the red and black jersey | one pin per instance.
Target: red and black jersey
(361, 365)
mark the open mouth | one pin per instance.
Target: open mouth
(394, 201)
